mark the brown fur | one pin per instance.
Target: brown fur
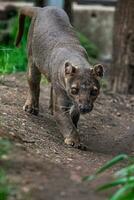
(54, 51)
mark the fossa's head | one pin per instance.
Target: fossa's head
(82, 85)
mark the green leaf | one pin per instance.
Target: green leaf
(89, 178)
(4, 185)
(5, 146)
(90, 47)
(121, 193)
(2, 176)
(112, 162)
(106, 166)
(121, 181)
(4, 192)
(125, 171)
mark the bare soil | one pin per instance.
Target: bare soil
(40, 166)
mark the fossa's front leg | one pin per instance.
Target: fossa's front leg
(67, 128)
(63, 117)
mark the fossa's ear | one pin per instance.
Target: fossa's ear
(98, 71)
(69, 69)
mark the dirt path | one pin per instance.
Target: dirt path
(40, 166)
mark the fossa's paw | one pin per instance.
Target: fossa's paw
(30, 108)
(70, 142)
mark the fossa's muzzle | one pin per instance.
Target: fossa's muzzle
(85, 108)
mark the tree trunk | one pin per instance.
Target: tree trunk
(40, 3)
(122, 71)
(68, 9)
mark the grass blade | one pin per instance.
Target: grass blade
(112, 162)
(89, 178)
(122, 192)
(106, 166)
(117, 182)
(125, 171)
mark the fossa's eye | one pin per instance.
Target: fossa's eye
(94, 92)
(74, 90)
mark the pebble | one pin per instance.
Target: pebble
(132, 99)
(57, 160)
(55, 151)
(128, 105)
(63, 194)
(5, 157)
(4, 113)
(118, 114)
(114, 100)
(38, 151)
(78, 167)
(25, 189)
(11, 133)
(69, 159)
(75, 177)
(18, 144)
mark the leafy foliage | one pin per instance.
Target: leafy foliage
(4, 186)
(90, 47)
(14, 59)
(124, 178)
(4, 147)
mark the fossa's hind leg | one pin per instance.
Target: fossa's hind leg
(32, 102)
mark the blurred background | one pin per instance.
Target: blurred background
(93, 21)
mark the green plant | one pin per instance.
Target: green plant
(4, 186)
(14, 59)
(5, 146)
(90, 47)
(124, 178)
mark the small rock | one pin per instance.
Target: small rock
(78, 167)
(5, 157)
(114, 100)
(18, 144)
(75, 177)
(118, 114)
(128, 105)
(4, 113)
(57, 160)
(11, 133)
(55, 151)
(132, 100)
(3, 87)
(25, 189)
(63, 194)
(38, 151)
(69, 159)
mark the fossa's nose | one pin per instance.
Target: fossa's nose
(85, 108)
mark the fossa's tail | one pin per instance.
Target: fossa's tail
(25, 11)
